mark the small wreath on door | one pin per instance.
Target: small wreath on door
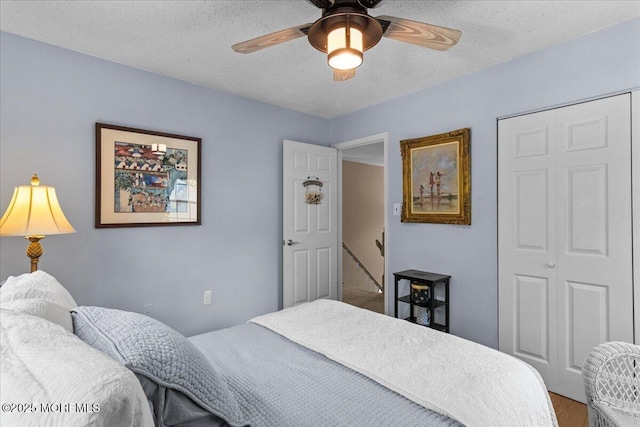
(313, 194)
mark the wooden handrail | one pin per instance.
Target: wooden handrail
(355, 258)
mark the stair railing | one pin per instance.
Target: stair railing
(355, 274)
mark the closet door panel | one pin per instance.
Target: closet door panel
(526, 241)
(594, 268)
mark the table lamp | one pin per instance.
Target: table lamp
(34, 212)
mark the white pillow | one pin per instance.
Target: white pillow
(38, 284)
(51, 377)
(45, 309)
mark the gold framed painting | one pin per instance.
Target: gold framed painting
(146, 178)
(436, 178)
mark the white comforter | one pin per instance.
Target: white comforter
(49, 377)
(468, 382)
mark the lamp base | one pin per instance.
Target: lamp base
(34, 251)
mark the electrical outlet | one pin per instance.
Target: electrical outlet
(207, 297)
(396, 209)
(148, 309)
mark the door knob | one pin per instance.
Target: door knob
(291, 243)
(551, 264)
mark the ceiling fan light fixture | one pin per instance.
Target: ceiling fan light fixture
(345, 46)
(345, 31)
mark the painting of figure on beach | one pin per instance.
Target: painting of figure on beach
(435, 178)
(436, 175)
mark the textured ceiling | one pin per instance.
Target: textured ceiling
(191, 41)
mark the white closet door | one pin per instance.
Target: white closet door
(594, 260)
(527, 244)
(565, 266)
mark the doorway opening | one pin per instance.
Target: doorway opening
(362, 220)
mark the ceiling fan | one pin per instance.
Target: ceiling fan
(346, 30)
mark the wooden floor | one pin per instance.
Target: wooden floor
(569, 412)
(370, 300)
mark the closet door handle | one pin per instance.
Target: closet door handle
(291, 243)
(551, 264)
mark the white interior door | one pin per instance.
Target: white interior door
(310, 237)
(565, 248)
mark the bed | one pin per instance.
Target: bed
(318, 364)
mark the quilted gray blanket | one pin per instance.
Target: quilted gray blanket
(279, 383)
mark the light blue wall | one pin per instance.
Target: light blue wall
(50, 100)
(598, 64)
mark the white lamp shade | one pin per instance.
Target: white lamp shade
(345, 53)
(34, 211)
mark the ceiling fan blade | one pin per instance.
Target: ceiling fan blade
(419, 33)
(342, 75)
(272, 39)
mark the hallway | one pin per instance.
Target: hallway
(373, 301)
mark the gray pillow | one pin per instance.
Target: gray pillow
(166, 358)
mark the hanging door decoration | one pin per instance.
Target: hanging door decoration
(313, 195)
